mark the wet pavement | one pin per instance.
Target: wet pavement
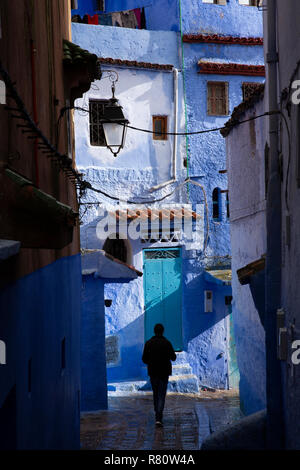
(129, 422)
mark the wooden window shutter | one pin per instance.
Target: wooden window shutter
(217, 98)
(160, 125)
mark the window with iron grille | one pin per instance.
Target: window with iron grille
(216, 2)
(160, 124)
(217, 98)
(96, 108)
(249, 88)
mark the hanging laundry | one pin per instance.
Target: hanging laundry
(76, 19)
(105, 19)
(93, 19)
(143, 19)
(116, 19)
(137, 12)
(129, 19)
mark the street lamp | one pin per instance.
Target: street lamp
(114, 124)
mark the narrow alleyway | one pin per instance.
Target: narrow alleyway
(128, 424)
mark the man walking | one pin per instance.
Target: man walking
(158, 354)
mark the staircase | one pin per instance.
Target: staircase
(182, 380)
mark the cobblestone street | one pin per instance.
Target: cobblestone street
(129, 424)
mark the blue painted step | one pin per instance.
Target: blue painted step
(182, 380)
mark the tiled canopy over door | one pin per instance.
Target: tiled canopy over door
(163, 293)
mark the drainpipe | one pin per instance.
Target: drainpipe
(275, 422)
(174, 162)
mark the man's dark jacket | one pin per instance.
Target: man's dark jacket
(158, 353)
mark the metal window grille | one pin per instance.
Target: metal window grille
(162, 254)
(217, 98)
(96, 108)
(112, 350)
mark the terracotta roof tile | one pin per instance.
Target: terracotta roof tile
(134, 63)
(218, 39)
(154, 213)
(231, 69)
(116, 260)
(239, 110)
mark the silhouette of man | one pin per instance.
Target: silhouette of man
(158, 354)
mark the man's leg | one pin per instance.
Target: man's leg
(155, 387)
(162, 390)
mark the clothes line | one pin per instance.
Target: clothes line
(134, 19)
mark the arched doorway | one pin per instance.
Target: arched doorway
(118, 248)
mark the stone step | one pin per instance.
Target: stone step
(130, 386)
(181, 369)
(185, 383)
(181, 358)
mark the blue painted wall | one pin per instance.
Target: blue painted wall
(231, 19)
(38, 312)
(248, 238)
(125, 318)
(93, 362)
(134, 171)
(205, 334)
(160, 15)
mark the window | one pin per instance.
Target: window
(217, 98)
(216, 2)
(97, 136)
(100, 5)
(159, 127)
(251, 3)
(249, 88)
(112, 350)
(216, 199)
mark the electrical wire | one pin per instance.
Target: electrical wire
(203, 131)
(65, 162)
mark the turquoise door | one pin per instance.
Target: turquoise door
(163, 293)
